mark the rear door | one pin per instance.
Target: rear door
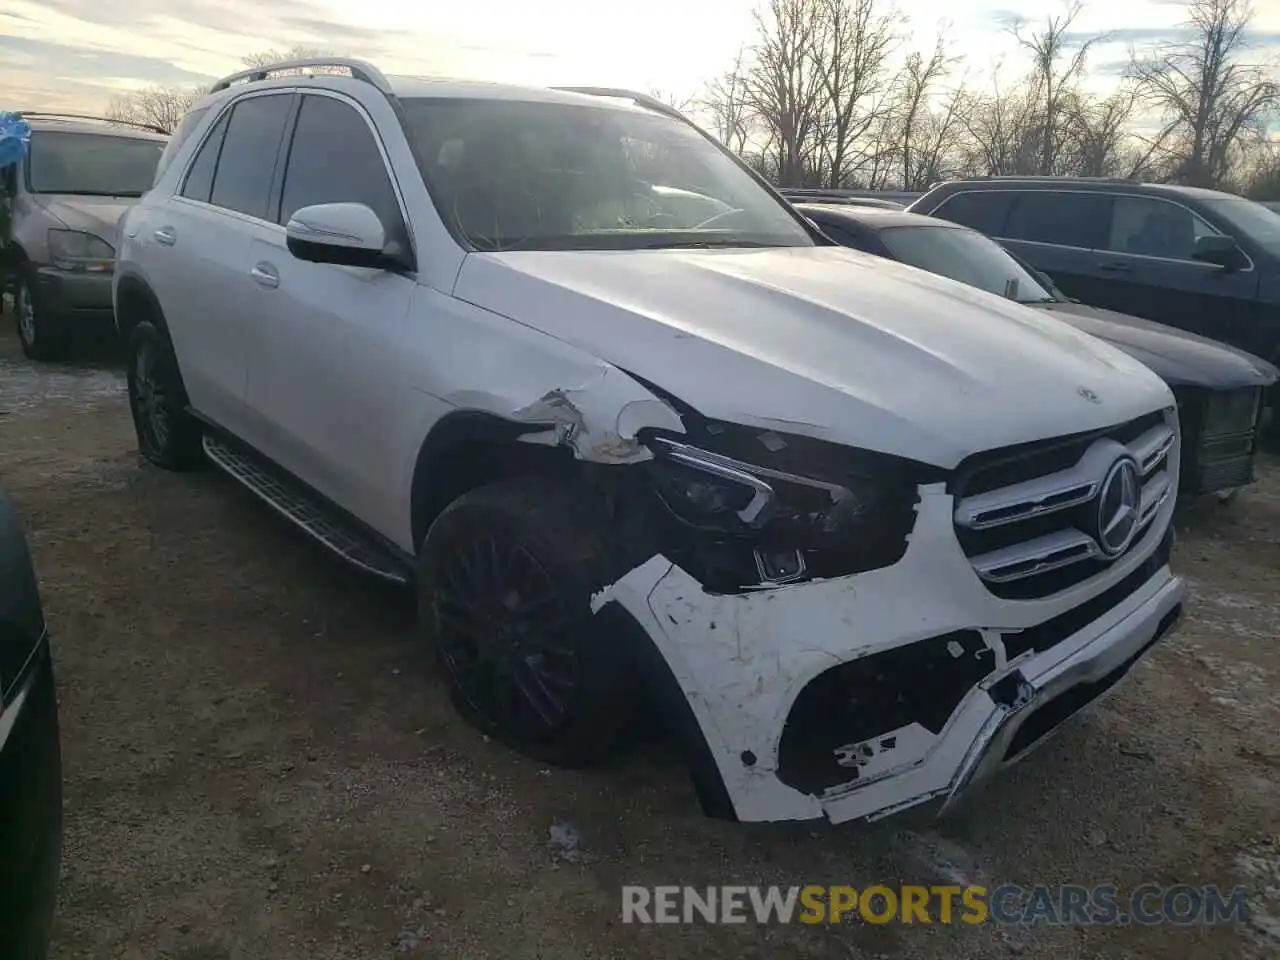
(1147, 270)
(197, 250)
(1061, 232)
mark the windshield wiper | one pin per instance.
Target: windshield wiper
(1043, 300)
(95, 193)
(708, 244)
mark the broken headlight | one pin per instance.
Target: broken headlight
(713, 492)
(778, 509)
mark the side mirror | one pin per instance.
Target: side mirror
(349, 234)
(1220, 251)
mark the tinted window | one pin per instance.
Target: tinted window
(200, 177)
(247, 163)
(984, 211)
(1253, 220)
(532, 175)
(331, 136)
(1155, 228)
(1061, 218)
(91, 164)
(965, 256)
(177, 139)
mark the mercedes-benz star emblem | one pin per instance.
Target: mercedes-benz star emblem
(1088, 394)
(1119, 502)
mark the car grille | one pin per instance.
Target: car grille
(1041, 517)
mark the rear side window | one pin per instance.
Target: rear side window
(1061, 218)
(177, 139)
(199, 182)
(247, 163)
(981, 210)
(330, 138)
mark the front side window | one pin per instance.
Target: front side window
(334, 159)
(1060, 218)
(247, 163)
(967, 257)
(510, 175)
(91, 164)
(1249, 219)
(1150, 227)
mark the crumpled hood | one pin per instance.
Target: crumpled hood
(96, 215)
(823, 341)
(1178, 356)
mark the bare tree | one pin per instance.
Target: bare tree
(727, 100)
(156, 106)
(1212, 103)
(1002, 129)
(265, 58)
(1056, 71)
(923, 135)
(851, 59)
(785, 87)
(1097, 141)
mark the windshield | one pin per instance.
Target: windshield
(521, 175)
(1255, 221)
(966, 256)
(91, 164)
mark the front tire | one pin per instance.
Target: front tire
(506, 575)
(41, 338)
(168, 435)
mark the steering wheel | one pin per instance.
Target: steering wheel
(716, 218)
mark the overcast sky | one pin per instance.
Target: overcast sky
(64, 54)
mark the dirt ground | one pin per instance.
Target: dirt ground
(261, 762)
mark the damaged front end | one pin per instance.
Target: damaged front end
(848, 643)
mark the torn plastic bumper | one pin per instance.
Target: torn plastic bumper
(742, 662)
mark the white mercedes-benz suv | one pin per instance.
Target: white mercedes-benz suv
(640, 436)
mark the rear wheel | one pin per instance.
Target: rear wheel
(506, 577)
(168, 435)
(41, 338)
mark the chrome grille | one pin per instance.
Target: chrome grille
(1064, 519)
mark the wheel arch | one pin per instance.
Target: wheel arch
(468, 448)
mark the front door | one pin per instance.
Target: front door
(324, 383)
(1147, 270)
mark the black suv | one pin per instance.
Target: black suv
(1201, 260)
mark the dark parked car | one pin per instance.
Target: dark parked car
(1201, 260)
(811, 195)
(1218, 388)
(30, 755)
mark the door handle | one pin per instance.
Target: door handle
(1115, 266)
(165, 236)
(264, 275)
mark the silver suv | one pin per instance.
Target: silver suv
(59, 207)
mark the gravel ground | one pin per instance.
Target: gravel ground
(261, 761)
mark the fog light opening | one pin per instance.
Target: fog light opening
(779, 566)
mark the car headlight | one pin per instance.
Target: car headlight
(798, 507)
(76, 250)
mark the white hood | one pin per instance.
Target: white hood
(824, 341)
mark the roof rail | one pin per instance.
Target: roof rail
(360, 70)
(639, 99)
(42, 115)
(1050, 177)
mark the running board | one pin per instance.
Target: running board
(306, 511)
